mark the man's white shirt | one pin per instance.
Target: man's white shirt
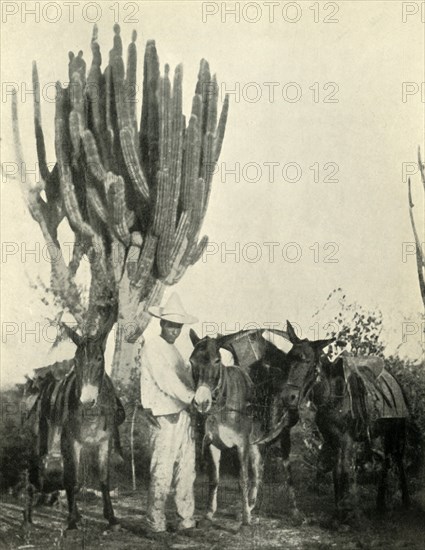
(166, 383)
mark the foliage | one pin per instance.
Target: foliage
(360, 329)
(14, 448)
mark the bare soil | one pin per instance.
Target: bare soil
(273, 526)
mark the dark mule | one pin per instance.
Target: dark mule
(80, 410)
(246, 408)
(356, 400)
(279, 391)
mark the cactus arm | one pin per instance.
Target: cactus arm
(116, 201)
(53, 209)
(93, 161)
(108, 110)
(77, 118)
(96, 204)
(165, 187)
(179, 247)
(192, 152)
(173, 158)
(145, 261)
(66, 183)
(61, 279)
(95, 91)
(219, 136)
(131, 86)
(198, 250)
(77, 65)
(74, 134)
(125, 122)
(39, 136)
(132, 162)
(149, 123)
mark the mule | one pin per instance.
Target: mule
(78, 411)
(356, 401)
(247, 408)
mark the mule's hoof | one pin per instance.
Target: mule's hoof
(297, 518)
(115, 527)
(209, 516)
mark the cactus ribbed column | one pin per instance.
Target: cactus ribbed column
(135, 196)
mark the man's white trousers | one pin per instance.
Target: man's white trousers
(172, 467)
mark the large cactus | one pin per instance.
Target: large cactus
(135, 197)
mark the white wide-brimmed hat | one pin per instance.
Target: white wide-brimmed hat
(173, 311)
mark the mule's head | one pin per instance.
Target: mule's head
(303, 359)
(89, 365)
(206, 369)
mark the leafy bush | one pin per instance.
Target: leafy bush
(14, 438)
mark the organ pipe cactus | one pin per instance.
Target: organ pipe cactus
(135, 196)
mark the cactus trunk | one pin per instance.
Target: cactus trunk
(135, 195)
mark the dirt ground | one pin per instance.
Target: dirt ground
(272, 526)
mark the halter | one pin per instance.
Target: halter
(215, 390)
(100, 384)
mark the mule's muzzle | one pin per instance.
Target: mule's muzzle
(291, 397)
(203, 399)
(89, 395)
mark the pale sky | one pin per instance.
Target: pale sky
(358, 223)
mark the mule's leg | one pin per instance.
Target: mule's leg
(105, 448)
(213, 477)
(405, 497)
(243, 454)
(285, 444)
(257, 469)
(399, 437)
(382, 487)
(342, 476)
(29, 497)
(71, 456)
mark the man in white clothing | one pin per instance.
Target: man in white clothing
(167, 390)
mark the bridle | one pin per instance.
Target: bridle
(215, 391)
(79, 381)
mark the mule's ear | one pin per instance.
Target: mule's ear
(194, 337)
(75, 337)
(291, 333)
(321, 344)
